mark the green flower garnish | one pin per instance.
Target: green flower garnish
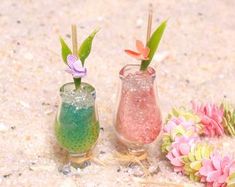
(76, 67)
(153, 44)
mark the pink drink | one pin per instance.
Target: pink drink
(138, 118)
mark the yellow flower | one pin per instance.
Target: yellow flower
(182, 112)
(193, 161)
(229, 119)
(231, 180)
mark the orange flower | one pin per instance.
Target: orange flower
(142, 53)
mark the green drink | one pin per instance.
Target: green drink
(77, 126)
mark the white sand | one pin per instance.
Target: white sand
(199, 41)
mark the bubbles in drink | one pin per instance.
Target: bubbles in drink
(138, 116)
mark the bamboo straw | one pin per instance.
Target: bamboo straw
(74, 40)
(150, 17)
(77, 81)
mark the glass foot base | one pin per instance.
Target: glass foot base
(80, 160)
(75, 163)
(73, 168)
(137, 151)
(134, 159)
(130, 148)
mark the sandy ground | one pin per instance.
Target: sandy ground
(199, 41)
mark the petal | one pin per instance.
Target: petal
(203, 171)
(206, 167)
(175, 153)
(225, 170)
(145, 52)
(81, 73)
(184, 148)
(133, 53)
(176, 162)
(205, 120)
(226, 161)
(169, 156)
(218, 127)
(140, 46)
(71, 59)
(77, 65)
(208, 109)
(222, 178)
(216, 162)
(213, 176)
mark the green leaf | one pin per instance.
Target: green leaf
(65, 50)
(85, 48)
(153, 44)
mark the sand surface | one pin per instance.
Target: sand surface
(196, 61)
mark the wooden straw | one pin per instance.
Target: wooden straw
(74, 40)
(150, 17)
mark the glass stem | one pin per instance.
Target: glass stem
(77, 82)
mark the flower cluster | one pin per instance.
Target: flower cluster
(188, 155)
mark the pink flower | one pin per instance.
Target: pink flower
(216, 170)
(142, 51)
(211, 118)
(181, 147)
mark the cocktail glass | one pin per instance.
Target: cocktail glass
(138, 118)
(77, 124)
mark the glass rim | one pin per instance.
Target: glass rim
(62, 88)
(150, 70)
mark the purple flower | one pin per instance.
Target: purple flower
(75, 67)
